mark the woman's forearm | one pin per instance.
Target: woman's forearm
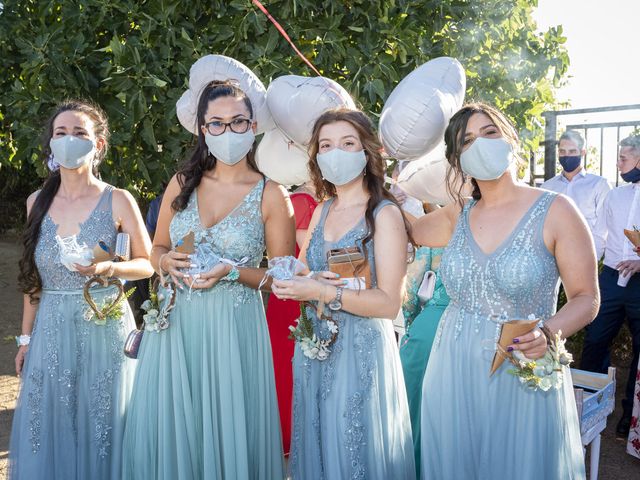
(371, 302)
(134, 269)
(29, 311)
(576, 314)
(156, 253)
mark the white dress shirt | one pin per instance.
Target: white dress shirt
(585, 189)
(621, 210)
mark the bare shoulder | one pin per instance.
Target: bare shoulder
(274, 192)
(562, 207)
(389, 214)
(31, 199)
(123, 198)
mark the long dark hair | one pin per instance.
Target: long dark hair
(454, 141)
(29, 278)
(374, 169)
(200, 161)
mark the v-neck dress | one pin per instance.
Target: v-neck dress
(204, 402)
(76, 381)
(350, 411)
(476, 426)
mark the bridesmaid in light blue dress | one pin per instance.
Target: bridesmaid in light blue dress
(507, 248)
(204, 404)
(350, 413)
(76, 381)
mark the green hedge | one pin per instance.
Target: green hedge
(133, 58)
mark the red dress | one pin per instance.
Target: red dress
(281, 314)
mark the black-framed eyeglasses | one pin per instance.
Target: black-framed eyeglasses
(237, 125)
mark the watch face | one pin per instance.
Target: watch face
(335, 305)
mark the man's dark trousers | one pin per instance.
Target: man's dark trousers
(617, 303)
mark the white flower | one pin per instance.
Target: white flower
(540, 371)
(565, 358)
(292, 328)
(146, 305)
(332, 326)
(323, 354)
(545, 384)
(149, 318)
(161, 297)
(153, 312)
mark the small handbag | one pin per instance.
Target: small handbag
(352, 266)
(132, 343)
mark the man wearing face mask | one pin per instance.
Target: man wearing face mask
(619, 280)
(585, 189)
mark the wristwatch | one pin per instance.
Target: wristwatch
(336, 303)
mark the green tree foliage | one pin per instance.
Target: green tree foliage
(133, 58)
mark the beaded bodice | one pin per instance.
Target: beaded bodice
(98, 226)
(238, 235)
(519, 279)
(318, 246)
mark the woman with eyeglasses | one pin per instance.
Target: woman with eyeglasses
(507, 247)
(204, 403)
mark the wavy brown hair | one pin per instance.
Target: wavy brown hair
(454, 141)
(190, 174)
(29, 278)
(374, 169)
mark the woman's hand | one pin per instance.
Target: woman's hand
(299, 288)
(22, 351)
(328, 278)
(100, 269)
(208, 279)
(533, 345)
(637, 250)
(171, 262)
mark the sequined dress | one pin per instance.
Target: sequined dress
(204, 403)
(479, 427)
(350, 412)
(76, 381)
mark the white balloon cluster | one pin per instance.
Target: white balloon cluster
(295, 104)
(413, 122)
(285, 112)
(218, 67)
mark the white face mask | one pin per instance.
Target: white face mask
(340, 167)
(230, 147)
(487, 158)
(72, 152)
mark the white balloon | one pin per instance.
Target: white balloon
(415, 115)
(296, 102)
(425, 178)
(219, 67)
(281, 159)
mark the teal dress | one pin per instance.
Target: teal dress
(475, 426)
(421, 322)
(204, 402)
(350, 413)
(76, 381)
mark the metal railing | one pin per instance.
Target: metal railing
(551, 134)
